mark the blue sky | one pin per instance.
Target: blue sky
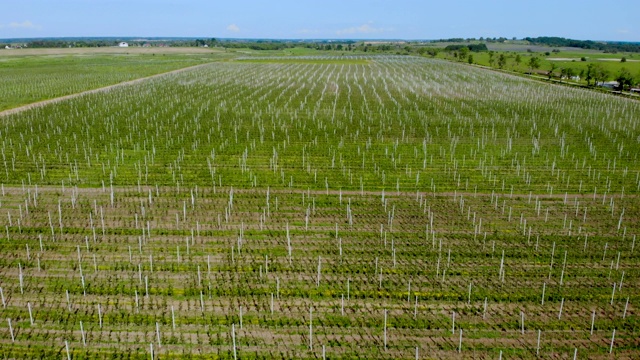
(313, 19)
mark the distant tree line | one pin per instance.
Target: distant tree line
(346, 45)
(481, 39)
(470, 47)
(258, 45)
(91, 43)
(585, 44)
(59, 43)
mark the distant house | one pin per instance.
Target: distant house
(609, 84)
(123, 44)
(635, 90)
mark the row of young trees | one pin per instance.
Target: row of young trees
(593, 74)
(596, 73)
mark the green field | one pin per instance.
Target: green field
(311, 207)
(31, 78)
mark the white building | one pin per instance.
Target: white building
(123, 44)
(609, 84)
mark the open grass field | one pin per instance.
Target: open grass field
(358, 207)
(30, 75)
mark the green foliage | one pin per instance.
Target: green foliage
(586, 44)
(534, 63)
(624, 79)
(502, 61)
(553, 68)
(600, 74)
(470, 47)
(567, 73)
(491, 58)
(463, 53)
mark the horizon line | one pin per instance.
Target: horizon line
(159, 38)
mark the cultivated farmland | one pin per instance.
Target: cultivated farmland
(27, 79)
(322, 207)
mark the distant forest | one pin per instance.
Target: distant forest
(471, 47)
(605, 46)
(181, 42)
(340, 45)
(610, 47)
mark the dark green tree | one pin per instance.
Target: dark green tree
(568, 73)
(624, 79)
(590, 73)
(600, 74)
(553, 68)
(502, 61)
(470, 59)
(463, 53)
(534, 63)
(518, 59)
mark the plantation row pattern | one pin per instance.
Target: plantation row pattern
(386, 207)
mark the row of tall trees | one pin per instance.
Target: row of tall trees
(593, 74)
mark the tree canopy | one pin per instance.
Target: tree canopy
(625, 79)
(470, 47)
(585, 44)
(534, 63)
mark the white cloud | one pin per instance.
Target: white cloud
(233, 28)
(21, 25)
(362, 29)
